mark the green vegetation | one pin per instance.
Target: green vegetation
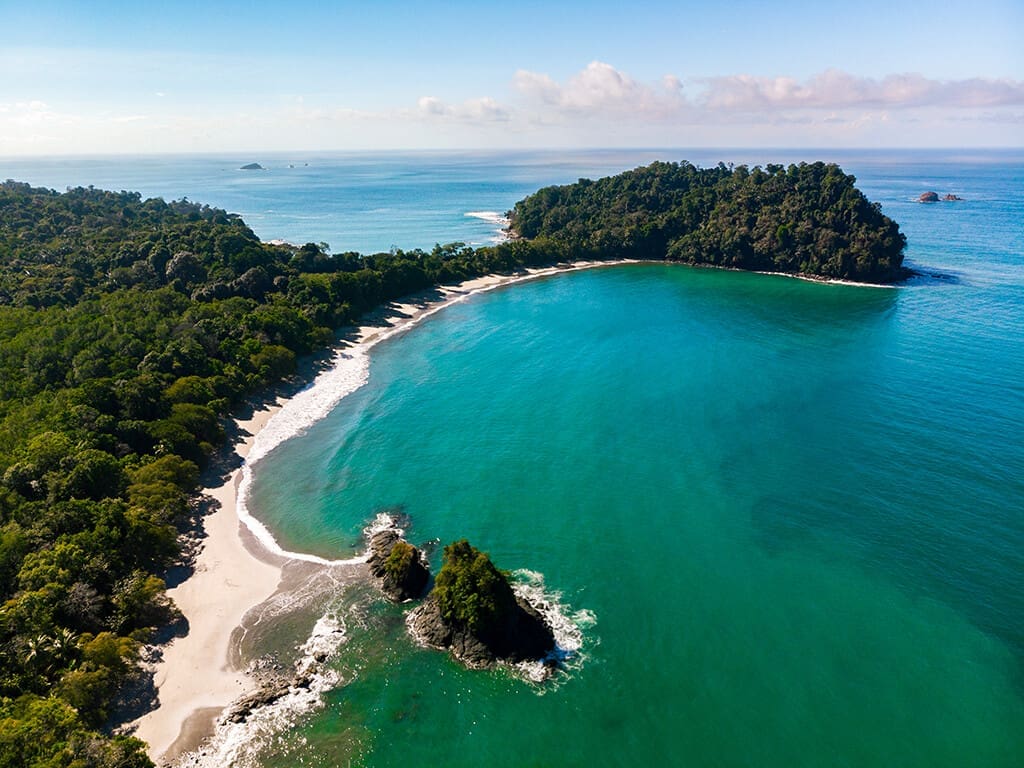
(130, 328)
(808, 219)
(470, 591)
(399, 560)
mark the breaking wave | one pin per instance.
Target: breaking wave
(567, 625)
(240, 736)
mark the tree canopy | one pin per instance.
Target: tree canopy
(809, 219)
(469, 590)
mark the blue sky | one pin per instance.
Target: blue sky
(217, 76)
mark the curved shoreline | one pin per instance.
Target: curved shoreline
(349, 371)
(241, 565)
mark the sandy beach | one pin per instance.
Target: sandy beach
(232, 573)
(199, 674)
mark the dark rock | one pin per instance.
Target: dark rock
(950, 197)
(928, 197)
(266, 694)
(401, 578)
(523, 635)
(252, 167)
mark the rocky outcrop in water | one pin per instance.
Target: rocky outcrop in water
(400, 567)
(473, 612)
(523, 635)
(928, 197)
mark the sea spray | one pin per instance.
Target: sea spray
(500, 220)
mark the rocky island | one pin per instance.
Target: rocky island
(399, 566)
(473, 612)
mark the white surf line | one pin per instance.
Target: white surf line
(349, 372)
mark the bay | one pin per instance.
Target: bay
(785, 518)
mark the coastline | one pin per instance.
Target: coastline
(240, 565)
(232, 573)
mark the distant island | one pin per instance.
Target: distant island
(933, 197)
(252, 167)
(807, 219)
(132, 328)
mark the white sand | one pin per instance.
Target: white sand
(196, 678)
(229, 579)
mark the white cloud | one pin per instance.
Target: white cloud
(599, 105)
(483, 109)
(834, 89)
(601, 89)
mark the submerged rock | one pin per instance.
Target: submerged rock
(400, 566)
(266, 694)
(950, 197)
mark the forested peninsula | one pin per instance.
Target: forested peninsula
(130, 329)
(808, 219)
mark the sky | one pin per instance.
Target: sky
(183, 76)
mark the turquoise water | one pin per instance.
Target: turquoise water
(786, 555)
(793, 511)
(787, 518)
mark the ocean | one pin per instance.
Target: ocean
(779, 522)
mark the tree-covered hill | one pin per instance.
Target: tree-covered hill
(805, 219)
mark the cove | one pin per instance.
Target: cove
(721, 470)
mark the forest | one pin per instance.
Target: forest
(808, 219)
(130, 329)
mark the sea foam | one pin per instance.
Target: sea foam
(567, 626)
(241, 743)
(500, 220)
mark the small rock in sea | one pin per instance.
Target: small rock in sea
(951, 197)
(928, 197)
(252, 167)
(403, 573)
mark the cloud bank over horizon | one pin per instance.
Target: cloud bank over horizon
(599, 105)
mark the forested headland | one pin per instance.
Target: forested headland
(808, 219)
(130, 329)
